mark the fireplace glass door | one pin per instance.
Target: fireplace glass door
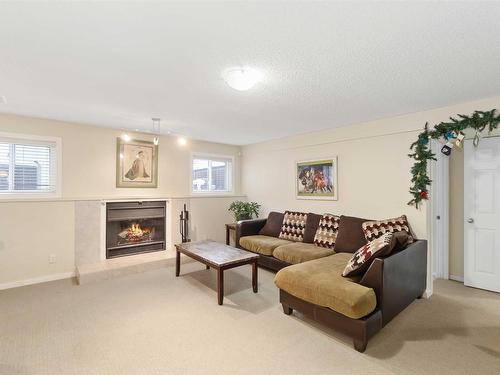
(135, 227)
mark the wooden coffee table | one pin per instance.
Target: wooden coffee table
(218, 256)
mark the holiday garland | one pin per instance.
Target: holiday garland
(450, 134)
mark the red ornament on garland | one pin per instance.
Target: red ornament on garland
(424, 194)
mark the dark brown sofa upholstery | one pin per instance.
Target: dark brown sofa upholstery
(388, 286)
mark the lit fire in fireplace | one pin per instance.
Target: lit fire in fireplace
(136, 233)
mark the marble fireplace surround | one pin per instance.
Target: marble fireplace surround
(90, 243)
(90, 233)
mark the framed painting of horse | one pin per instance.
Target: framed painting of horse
(317, 179)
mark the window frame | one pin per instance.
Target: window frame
(208, 156)
(35, 140)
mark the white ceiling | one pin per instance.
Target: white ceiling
(326, 64)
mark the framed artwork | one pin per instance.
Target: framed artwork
(136, 164)
(317, 179)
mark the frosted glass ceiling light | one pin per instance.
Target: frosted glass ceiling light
(242, 79)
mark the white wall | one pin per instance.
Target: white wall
(30, 231)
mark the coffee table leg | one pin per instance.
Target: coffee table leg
(220, 285)
(177, 263)
(254, 277)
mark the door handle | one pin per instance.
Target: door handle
(470, 220)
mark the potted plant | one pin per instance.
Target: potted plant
(244, 210)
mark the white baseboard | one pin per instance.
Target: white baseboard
(37, 280)
(427, 294)
(457, 278)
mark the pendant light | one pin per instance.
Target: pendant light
(156, 130)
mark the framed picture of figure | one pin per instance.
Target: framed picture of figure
(317, 179)
(136, 164)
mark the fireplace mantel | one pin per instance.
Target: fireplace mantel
(90, 243)
(90, 228)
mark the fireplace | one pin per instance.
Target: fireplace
(134, 227)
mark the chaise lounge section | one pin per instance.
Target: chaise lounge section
(358, 307)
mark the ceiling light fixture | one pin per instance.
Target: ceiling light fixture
(243, 78)
(157, 130)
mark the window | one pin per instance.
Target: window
(28, 165)
(212, 174)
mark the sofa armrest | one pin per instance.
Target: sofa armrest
(248, 228)
(398, 279)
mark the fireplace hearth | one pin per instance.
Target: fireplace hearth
(134, 227)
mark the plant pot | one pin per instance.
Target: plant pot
(243, 217)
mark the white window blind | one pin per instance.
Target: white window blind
(27, 166)
(212, 174)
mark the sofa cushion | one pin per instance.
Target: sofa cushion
(293, 226)
(376, 229)
(320, 282)
(363, 258)
(264, 245)
(326, 234)
(350, 236)
(299, 252)
(379, 247)
(311, 227)
(273, 224)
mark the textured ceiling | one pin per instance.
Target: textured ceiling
(326, 64)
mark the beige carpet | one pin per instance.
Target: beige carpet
(154, 323)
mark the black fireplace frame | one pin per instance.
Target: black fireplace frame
(135, 210)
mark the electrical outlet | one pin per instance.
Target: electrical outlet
(52, 258)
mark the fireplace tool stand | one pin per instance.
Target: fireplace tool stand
(184, 225)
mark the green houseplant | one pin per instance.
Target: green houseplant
(244, 210)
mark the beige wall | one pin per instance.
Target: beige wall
(89, 157)
(373, 183)
(30, 231)
(456, 224)
(373, 171)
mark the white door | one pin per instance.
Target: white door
(482, 214)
